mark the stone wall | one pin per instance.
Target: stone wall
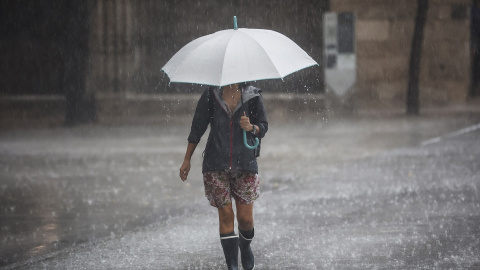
(384, 32)
(446, 67)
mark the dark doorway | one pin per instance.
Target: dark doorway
(44, 50)
(31, 36)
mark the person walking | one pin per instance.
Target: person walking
(229, 168)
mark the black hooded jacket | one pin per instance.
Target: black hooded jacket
(225, 148)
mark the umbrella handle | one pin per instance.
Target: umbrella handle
(257, 142)
(245, 141)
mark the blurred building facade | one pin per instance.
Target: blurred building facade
(384, 40)
(121, 46)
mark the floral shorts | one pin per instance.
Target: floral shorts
(221, 186)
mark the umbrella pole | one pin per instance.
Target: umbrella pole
(257, 142)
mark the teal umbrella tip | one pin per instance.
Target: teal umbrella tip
(235, 26)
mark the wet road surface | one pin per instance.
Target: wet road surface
(350, 193)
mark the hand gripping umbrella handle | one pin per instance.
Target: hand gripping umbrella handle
(245, 141)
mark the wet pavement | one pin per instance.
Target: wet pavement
(362, 192)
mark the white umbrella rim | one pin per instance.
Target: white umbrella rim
(220, 84)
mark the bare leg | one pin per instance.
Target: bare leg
(245, 216)
(226, 219)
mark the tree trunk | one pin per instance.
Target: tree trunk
(413, 104)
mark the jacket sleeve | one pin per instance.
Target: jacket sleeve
(259, 116)
(201, 118)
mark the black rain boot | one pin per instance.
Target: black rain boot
(248, 260)
(230, 249)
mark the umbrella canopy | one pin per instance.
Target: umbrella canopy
(237, 55)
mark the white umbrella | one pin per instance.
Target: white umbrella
(237, 55)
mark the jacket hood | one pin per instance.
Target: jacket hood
(248, 93)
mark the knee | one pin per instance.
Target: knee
(245, 223)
